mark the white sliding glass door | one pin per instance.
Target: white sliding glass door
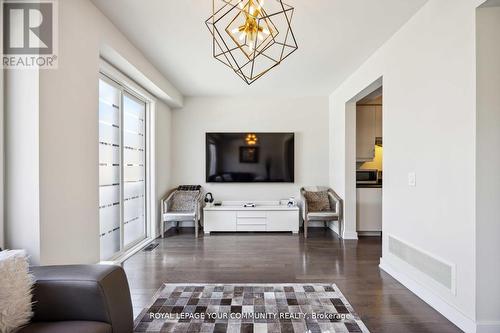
(122, 169)
(134, 171)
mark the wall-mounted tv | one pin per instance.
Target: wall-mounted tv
(250, 157)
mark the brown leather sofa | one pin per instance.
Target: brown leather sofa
(80, 299)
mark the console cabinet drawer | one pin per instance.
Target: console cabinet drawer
(251, 227)
(249, 214)
(251, 220)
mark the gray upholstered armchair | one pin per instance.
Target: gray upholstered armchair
(182, 204)
(332, 212)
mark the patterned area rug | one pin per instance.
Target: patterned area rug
(248, 308)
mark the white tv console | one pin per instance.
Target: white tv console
(268, 216)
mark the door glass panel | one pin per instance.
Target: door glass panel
(109, 169)
(134, 175)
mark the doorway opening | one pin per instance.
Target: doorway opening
(351, 163)
(369, 164)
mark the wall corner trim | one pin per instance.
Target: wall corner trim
(450, 312)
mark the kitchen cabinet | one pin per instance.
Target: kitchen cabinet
(365, 133)
(369, 210)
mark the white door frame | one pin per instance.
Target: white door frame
(109, 73)
(350, 200)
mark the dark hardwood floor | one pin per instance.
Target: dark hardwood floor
(382, 303)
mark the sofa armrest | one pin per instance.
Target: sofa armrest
(83, 293)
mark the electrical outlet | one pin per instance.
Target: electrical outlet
(412, 179)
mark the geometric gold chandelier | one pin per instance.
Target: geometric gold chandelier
(251, 37)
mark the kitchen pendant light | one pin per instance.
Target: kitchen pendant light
(251, 37)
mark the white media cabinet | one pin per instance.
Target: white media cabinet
(267, 216)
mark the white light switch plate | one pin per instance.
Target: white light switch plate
(412, 179)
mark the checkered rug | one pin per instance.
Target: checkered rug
(248, 308)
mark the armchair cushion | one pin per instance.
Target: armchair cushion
(317, 201)
(184, 201)
(322, 216)
(179, 216)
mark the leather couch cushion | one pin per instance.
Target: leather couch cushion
(93, 293)
(67, 327)
(317, 201)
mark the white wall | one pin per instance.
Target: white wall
(428, 70)
(22, 229)
(307, 117)
(487, 164)
(68, 132)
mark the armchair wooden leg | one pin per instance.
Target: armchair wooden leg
(195, 228)
(162, 228)
(306, 222)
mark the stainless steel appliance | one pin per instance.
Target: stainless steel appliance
(366, 176)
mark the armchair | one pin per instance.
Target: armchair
(334, 213)
(182, 204)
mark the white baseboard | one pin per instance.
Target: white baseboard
(488, 327)
(450, 312)
(348, 235)
(169, 225)
(314, 224)
(185, 224)
(370, 233)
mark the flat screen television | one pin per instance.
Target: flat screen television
(250, 157)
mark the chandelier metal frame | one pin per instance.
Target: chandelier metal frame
(248, 56)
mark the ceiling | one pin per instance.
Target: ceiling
(491, 3)
(334, 36)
